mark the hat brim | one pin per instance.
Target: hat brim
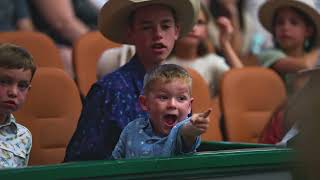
(114, 15)
(267, 11)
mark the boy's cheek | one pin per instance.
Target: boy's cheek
(22, 98)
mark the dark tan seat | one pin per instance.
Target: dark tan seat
(42, 47)
(51, 113)
(202, 101)
(86, 52)
(248, 98)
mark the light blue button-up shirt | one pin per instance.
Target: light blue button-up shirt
(138, 140)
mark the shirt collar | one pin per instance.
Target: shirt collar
(10, 121)
(144, 123)
(146, 126)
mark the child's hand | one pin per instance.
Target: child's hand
(200, 122)
(226, 30)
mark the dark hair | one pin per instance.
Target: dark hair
(307, 20)
(15, 57)
(166, 73)
(217, 10)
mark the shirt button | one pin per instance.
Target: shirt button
(149, 141)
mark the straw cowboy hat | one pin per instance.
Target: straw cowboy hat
(268, 10)
(114, 15)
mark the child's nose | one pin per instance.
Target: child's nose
(157, 32)
(13, 91)
(172, 103)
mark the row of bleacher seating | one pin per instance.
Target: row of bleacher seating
(248, 96)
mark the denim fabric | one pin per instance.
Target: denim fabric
(138, 140)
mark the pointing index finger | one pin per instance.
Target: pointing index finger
(206, 113)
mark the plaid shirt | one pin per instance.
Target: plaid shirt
(15, 144)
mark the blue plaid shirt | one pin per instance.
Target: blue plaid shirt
(138, 140)
(109, 106)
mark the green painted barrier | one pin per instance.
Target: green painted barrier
(217, 160)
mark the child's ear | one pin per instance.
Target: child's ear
(177, 31)
(30, 86)
(190, 106)
(143, 102)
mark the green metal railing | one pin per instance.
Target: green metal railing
(216, 160)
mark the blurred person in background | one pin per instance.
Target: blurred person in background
(15, 15)
(295, 26)
(64, 21)
(197, 51)
(248, 38)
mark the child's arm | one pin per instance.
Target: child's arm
(198, 124)
(25, 24)
(293, 64)
(233, 15)
(226, 31)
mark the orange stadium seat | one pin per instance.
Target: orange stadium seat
(51, 113)
(248, 98)
(41, 46)
(86, 52)
(202, 101)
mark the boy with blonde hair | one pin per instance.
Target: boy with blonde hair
(167, 131)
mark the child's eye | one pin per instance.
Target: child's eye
(294, 22)
(163, 97)
(5, 81)
(145, 27)
(23, 86)
(201, 22)
(165, 26)
(181, 98)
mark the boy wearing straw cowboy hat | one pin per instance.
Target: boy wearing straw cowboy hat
(152, 26)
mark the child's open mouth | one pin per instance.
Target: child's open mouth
(170, 119)
(158, 48)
